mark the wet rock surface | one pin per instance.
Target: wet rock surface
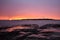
(45, 32)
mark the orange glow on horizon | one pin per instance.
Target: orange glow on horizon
(24, 9)
(26, 17)
(17, 18)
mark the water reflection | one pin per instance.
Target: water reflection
(18, 27)
(23, 32)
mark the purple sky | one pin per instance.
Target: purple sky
(30, 9)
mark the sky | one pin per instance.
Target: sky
(29, 9)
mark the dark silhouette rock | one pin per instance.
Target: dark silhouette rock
(50, 25)
(8, 35)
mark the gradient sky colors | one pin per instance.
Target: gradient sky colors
(21, 9)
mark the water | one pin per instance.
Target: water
(29, 31)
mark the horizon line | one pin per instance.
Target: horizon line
(32, 19)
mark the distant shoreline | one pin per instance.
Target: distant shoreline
(37, 19)
(34, 19)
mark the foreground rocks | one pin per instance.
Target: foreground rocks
(47, 32)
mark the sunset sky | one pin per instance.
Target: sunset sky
(24, 9)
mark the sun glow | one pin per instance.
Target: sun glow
(16, 18)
